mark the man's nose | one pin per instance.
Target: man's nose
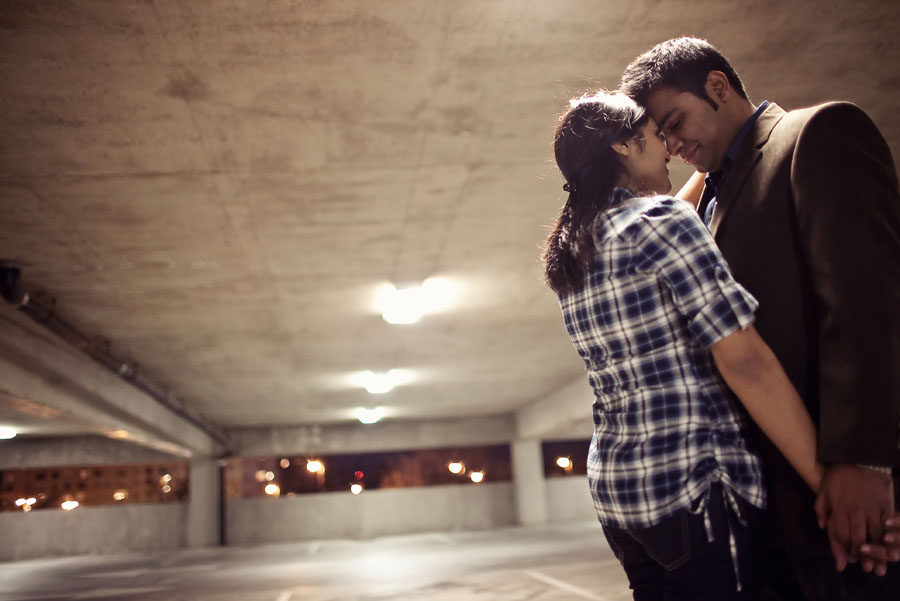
(673, 144)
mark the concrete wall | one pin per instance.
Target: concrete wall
(569, 498)
(370, 514)
(91, 530)
(395, 435)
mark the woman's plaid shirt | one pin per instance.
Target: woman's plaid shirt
(665, 423)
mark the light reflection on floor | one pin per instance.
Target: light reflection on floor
(559, 562)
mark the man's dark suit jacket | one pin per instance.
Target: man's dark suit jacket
(809, 221)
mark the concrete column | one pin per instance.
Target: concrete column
(203, 504)
(528, 480)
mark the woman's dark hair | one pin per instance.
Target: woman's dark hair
(681, 63)
(583, 149)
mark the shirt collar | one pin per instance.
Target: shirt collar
(716, 177)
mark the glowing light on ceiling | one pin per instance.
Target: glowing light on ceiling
(356, 488)
(315, 466)
(7, 433)
(272, 489)
(69, 505)
(408, 305)
(381, 382)
(369, 416)
(285, 463)
(564, 462)
(476, 477)
(120, 495)
(455, 467)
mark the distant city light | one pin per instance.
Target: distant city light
(167, 489)
(166, 478)
(315, 466)
(270, 476)
(69, 505)
(356, 488)
(369, 416)
(120, 495)
(476, 477)
(564, 462)
(272, 489)
(455, 467)
(408, 305)
(260, 475)
(7, 433)
(26, 502)
(358, 474)
(285, 463)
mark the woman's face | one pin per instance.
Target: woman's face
(647, 163)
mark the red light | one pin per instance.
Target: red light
(358, 475)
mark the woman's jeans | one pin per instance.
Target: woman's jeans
(676, 560)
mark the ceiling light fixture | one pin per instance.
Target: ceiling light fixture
(369, 416)
(380, 383)
(7, 433)
(408, 305)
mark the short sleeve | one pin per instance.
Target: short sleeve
(675, 244)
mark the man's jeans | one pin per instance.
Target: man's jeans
(675, 560)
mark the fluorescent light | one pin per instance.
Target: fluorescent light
(369, 416)
(408, 305)
(382, 382)
(6, 433)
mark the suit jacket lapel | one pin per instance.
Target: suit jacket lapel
(748, 157)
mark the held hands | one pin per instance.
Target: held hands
(857, 504)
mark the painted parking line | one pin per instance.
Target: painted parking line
(560, 584)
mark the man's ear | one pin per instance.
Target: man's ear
(717, 86)
(621, 148)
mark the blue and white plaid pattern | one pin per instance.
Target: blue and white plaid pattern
(665, 423)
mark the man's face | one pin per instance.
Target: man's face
(694, 131)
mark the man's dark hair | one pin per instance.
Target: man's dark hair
(682, 63)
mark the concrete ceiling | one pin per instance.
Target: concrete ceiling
(220, 188)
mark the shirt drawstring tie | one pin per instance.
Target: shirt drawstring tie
(733, 516)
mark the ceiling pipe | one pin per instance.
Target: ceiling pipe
(43, 313)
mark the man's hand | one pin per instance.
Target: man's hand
(854, 502)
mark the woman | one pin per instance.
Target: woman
(653, 311)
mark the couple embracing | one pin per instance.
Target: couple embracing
(742, 341)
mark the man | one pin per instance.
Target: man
(806, 210)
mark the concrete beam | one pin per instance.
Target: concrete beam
(566, 414)
(383, 436)
(42, 376)
(62, 451)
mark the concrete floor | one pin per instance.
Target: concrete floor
(560, 562)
